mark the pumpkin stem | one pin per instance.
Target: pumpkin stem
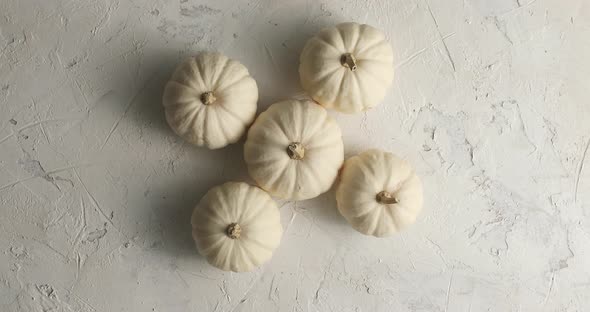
(384, 197)
(208, 98)
(296, 151)
(349, 61)
(233, 230)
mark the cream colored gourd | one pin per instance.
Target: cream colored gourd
(210, 100)
(378, 193)
(348, 67)
(294, 150)
(236, 226)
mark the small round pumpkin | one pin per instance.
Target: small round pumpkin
(236, 226)
(210, 100)
(379, 193)
(348, 67)
(294, 150)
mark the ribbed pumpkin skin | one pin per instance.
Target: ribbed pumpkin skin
(266, 156)
(367, 174)
(243, 204)
(225, 120)
(337, 87)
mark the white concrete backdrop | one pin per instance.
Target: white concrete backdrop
(490, 103)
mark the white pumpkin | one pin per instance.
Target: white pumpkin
(236, 226)
(378, 193)
(210, 100)
(294, 150)
(348, 67)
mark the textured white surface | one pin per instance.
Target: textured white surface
(489, 103)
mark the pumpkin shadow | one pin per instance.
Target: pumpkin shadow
(327, 212)
(283, 67)
(148, 111)
(182, 195)
(353, 150)
(170, 202)
(184, 173)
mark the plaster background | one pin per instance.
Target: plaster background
(489, 103)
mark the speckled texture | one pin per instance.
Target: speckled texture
(489, 103)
